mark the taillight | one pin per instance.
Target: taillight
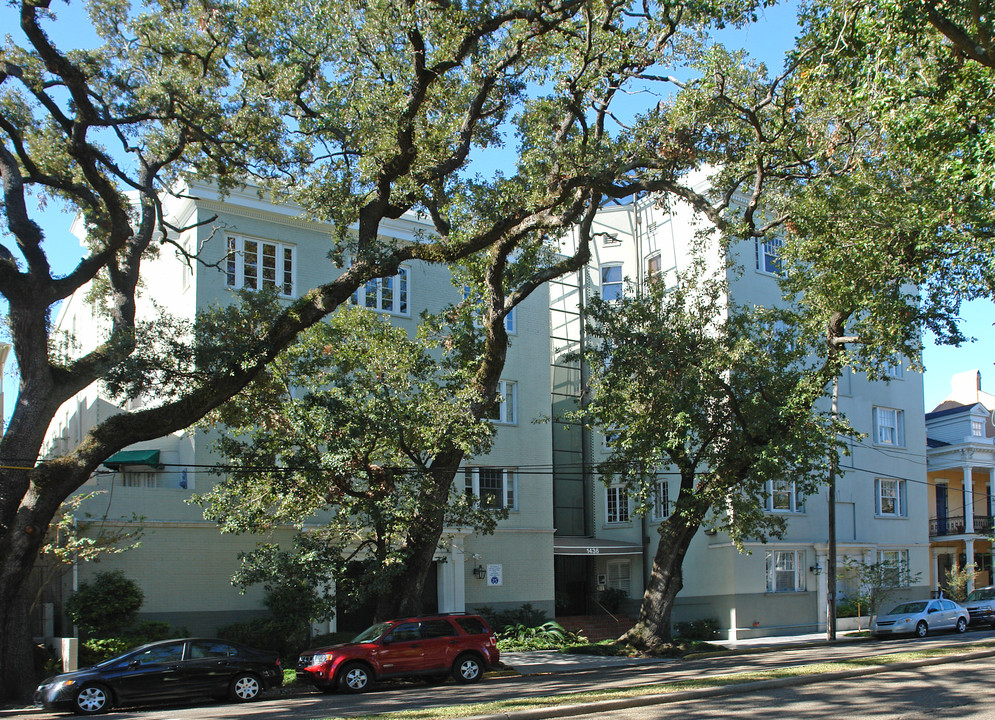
(278, 664)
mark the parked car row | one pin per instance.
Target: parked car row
(166, 670)
(919, 617)
(433, 648)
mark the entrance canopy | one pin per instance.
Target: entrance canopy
(593, 546)
(149, 458)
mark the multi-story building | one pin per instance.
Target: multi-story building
(960, 467)
(184, 565)
(567, 536)
(777, 587)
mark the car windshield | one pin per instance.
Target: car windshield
(371, 633)
(910, 608)
(981, 594)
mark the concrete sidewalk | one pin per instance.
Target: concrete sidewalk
(539, 662)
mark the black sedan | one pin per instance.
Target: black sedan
(166, 670)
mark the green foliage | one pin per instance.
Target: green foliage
(105, 605)
(548, 636)
(850, 607)
(957, 579)
(275, 634)
(724, 398)
(612, 598)
(526, 615)
(95, 650)
(874, 584)
(701, 629)
(910, 123)
(346, 422)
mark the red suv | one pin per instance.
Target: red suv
(432, 647)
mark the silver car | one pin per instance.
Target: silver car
(918, 617)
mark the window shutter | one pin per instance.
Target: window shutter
(900, 427)
(770, 572)
(800, 571)
(877, 496)
(902, 509)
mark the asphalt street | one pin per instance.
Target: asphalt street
(940, 691)
(313, 705)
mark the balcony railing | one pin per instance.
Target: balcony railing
(956, 525)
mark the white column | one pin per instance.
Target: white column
(452, 588)
(822, 590)
(936, 552)
(969, 560)
(968, 500)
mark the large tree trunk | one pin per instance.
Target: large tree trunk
(422, 542)
(17, 669)
(666, 580)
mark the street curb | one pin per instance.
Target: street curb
(596, 706)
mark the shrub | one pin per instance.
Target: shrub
(267, 633)
(612, 598)
(702, 629)
(95, 650)
(850, 607)
(103, 607)
(526, 615)
(548, 636)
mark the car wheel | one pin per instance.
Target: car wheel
(245, 688)
(922, 628)
(467, 669)
(91, 699)
(961, 625)
(354, 678)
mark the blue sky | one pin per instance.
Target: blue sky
(767, 40)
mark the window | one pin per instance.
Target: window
(619, 575)
(654, 266)
(895, 369)
(495, 488)
(769, 255)
(505, 410)
(260, 265)
(978, 428)
(783, 496)
(140, 478)
(661, 501)
(889, 497)
(510, 321)
(389, 294)
(786, 571)
(436, 628)
(200, 649)
(616, 504)
(889, 426)
(611, 282)
(160, 654)
(896, 571)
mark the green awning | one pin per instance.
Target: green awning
(133, 457)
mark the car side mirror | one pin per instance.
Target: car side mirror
(386, 639)
(932, 610)
(134, 664)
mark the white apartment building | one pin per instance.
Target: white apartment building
(184, 564)
(779, 587)
(567, 536)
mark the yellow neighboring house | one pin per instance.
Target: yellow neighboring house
(960, 462)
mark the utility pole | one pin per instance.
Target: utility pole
(831, 560)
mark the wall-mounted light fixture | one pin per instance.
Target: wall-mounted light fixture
(479, 572)
(816, 569)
